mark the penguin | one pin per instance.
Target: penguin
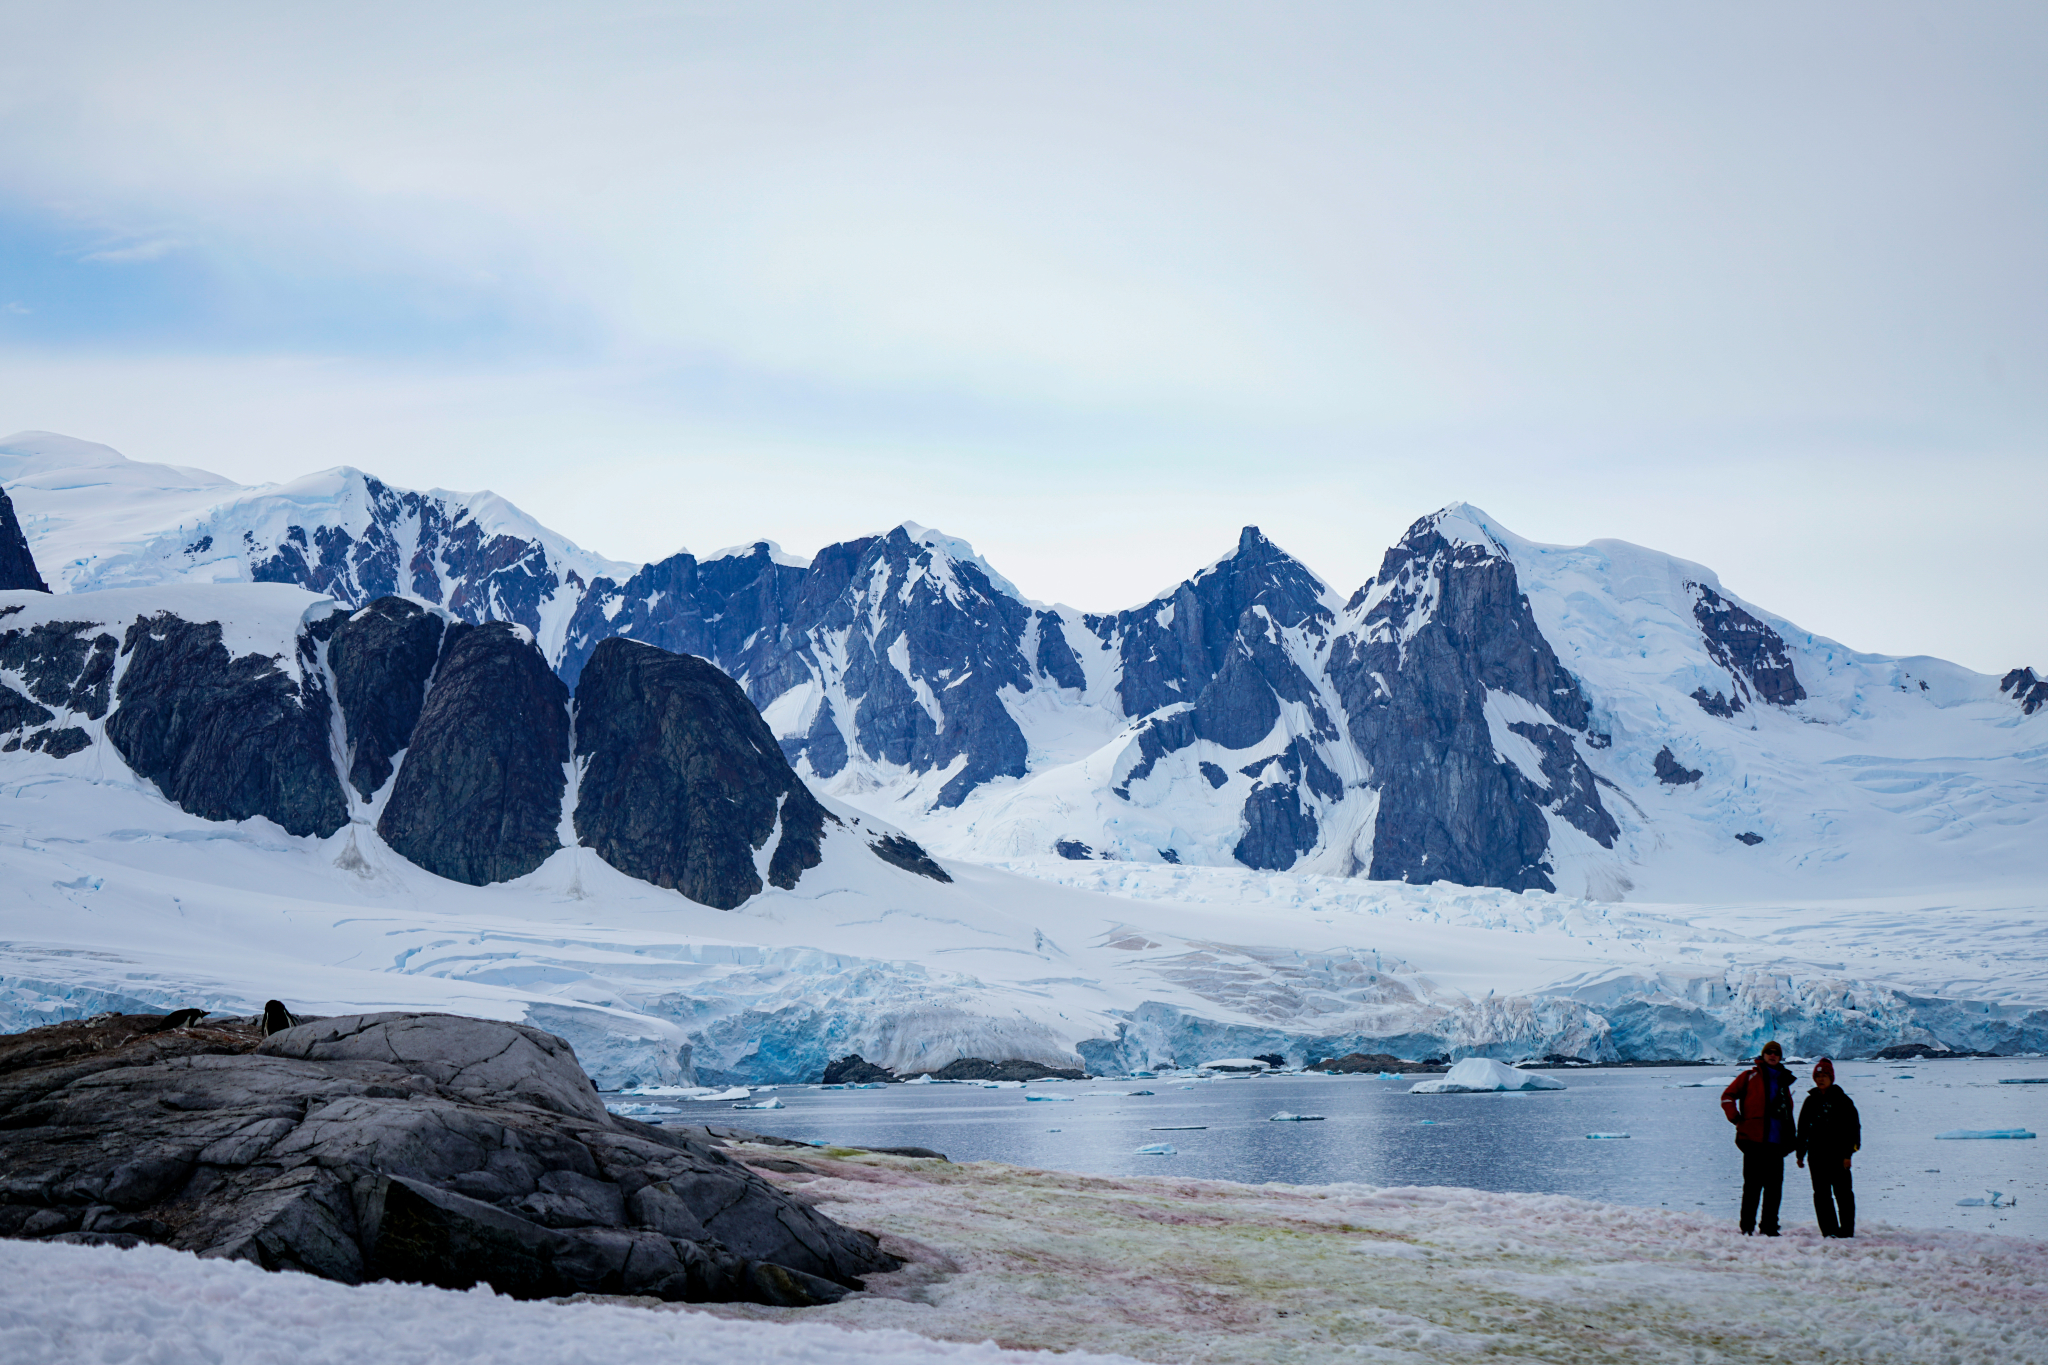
(276, 1018)
(179, 1019)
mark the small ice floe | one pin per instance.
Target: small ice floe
(636, 1110)
(1702, 1085)
(872, 1085)
(1157, 1149)
(1605, 1137)
(1429, 1123)
(2025, 1080)
(1398, 1251)
(1479, 1075)
(835, 1087)
(1960, 1134)
(1048, 1099)
(1055, 1130)
(1993, 1199)
(761, 1104)
(1179, 1128)
(1002, 1085)
(921, 1080)
(1907, 1077)
(1284, 1117)
(1137, 1092)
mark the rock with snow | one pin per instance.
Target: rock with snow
(682, 783)
(17, 562)
(1476, 1075)
(479, 797)
(425, 1148)
(382, 658)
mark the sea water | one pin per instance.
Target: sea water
(1679, 1153)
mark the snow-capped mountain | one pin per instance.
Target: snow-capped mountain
(1487, 710)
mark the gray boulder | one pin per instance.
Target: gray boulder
(428, 1148)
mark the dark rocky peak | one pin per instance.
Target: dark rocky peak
(1671, 772)
(682, 783)
(17, 565)
(479, 797)
(921, 643)
(1441, 627)
(2029, 691)
(1173, 645)
(65, 664)
(742, 611)
(227, 737)
(382, 658)
(1759, 666)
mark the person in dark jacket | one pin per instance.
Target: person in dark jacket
(1759, 1104)
(1829, 1134)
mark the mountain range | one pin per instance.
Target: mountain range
(1599, 722)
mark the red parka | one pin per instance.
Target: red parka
(1759, 1104)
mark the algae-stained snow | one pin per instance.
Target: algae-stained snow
(1180, 1270)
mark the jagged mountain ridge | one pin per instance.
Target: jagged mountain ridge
(1455, 718)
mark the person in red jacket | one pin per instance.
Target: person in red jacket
(1759, 1104)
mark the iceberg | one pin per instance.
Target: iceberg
(2025, 1080)
(1477, 1075)
(1285, 1117)
(1048, 1099)
(1605, 1137)
(1157, 1149)
(761, 1104)
(1961, 1134)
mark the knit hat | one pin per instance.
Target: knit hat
(1824, 1067)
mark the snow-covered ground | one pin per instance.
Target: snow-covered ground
(1004, 1259)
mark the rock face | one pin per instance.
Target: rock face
(854, 1069)
(479, 798)
(1759, 666)
(1670, 771)
(682, 780)
(381, 658)
(1440, 651)
(427, 1148)
(227, 738)
(1015, 1069)
(2029, 691)
(17, 565)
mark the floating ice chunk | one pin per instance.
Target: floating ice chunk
(1285, 1117)
(1178, 1128)
(1956, 1134)
(1702, 1084)
(1605, 1137)
(2025, 1080)
(761, 1104)
(1048, 1099)
(1477, 1075)
(1002, 1085)
(1137, 1092)
(921, 1080)
(635, 1110)
(1157, 1149)
(738, 1092)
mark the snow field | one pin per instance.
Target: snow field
(63, 1305)
(1184, 1270)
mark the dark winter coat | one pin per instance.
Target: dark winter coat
(1759, 1104)
(1828, 1124)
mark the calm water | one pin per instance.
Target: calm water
(1680, 1151)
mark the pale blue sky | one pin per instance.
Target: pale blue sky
(1090, 286)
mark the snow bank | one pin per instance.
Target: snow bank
(1476, 1074)
(68, 1304)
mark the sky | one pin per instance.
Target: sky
(1091, 286)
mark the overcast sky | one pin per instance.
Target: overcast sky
(1092, 286)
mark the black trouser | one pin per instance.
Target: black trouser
(1834, 1196)
(1763, 1174)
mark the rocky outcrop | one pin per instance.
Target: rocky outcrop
(1755, 656)
(1440, 629)
(425, 1148)
(854, 1069)
(1015, 1069)
(1353, 1063)
(17, 564)
(1671, 772)
(2023, 687)
(479, 798)
(381, 658)
(225, 738)
(682, 780)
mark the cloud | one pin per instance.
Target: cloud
(154, 249)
